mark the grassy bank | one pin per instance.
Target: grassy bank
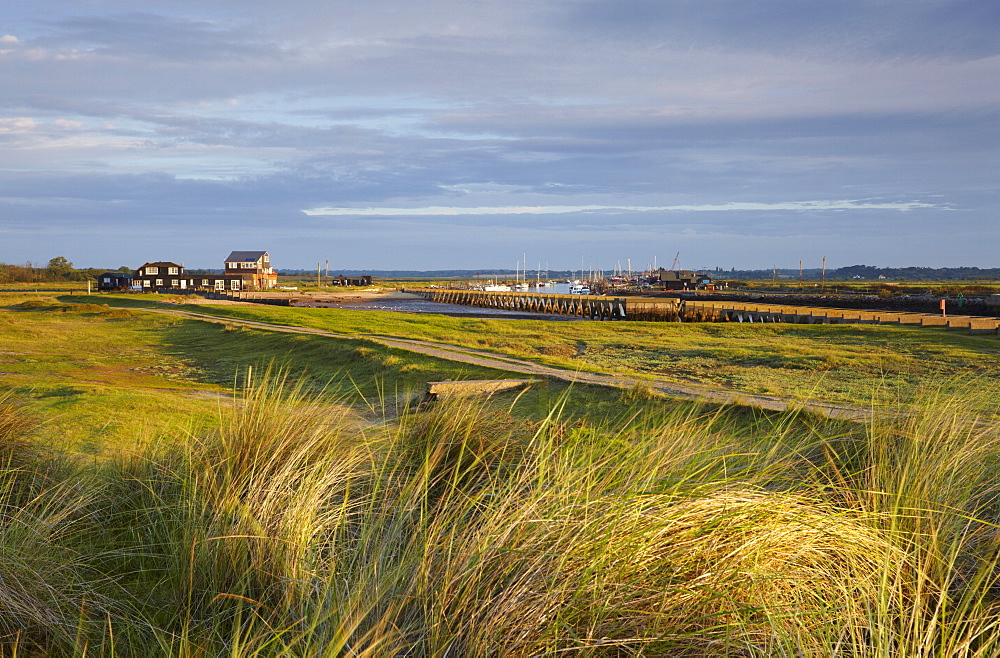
(234, 510)
(107, 379)
(290, 530)
(830, 362)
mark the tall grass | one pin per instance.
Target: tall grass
(301, 529)
(52, 590)
(16, 426)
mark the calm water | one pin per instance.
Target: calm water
(418, 305)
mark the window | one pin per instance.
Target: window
(249, 266)
(173, 270)
(235, 284)
(174, 283)
(232, 266)
(159, 283)
(204, 282)
(145, 283)
(152, 270)
(220, 284)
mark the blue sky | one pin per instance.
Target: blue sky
(474, 134)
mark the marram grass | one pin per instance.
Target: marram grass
(301, 528)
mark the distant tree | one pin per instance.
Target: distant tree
(124, 269)
(60, 268)
(26, 273)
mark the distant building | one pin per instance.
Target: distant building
(114, 280)
(256, 265)
(244, 271)
(351, 280)
(161, 275)
(680, 280)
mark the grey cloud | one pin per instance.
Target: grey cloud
(159, 36)
(845, 29)
(243, 117)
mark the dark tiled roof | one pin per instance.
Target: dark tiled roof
(161, 263)
(243, 256)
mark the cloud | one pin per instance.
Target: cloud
(558, 210)
(847, 29)
(612, 121)
(13, 125)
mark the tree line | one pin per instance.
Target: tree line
(58, 269)
(868, 272)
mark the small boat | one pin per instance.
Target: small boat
(496, 288)
(579, 289)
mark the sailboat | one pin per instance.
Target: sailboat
(518, 284)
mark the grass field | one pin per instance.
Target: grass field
(164, 492)
(107, 378)
(289, 529)
(838, 363)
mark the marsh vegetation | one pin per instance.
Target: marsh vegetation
(232, 509)
(837, 363)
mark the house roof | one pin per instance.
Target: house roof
(242, 256)
(677, 275)
(161, 263)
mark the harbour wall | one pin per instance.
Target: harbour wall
(598, 307)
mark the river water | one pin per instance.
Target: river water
(414, 304)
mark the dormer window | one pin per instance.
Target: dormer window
(152, 270)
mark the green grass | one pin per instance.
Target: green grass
(290, 529)
(100, 376)
(109, 379)
(240, 510)
(829, 362)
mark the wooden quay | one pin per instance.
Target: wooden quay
(595, 307)
(750, 312)
(598, 307)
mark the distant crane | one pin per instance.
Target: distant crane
(673, 268)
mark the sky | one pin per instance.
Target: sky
(479, 134)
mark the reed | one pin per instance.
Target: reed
(52, 590)
(16, 428)
(299, 528)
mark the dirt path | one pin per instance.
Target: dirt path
(513, 364)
